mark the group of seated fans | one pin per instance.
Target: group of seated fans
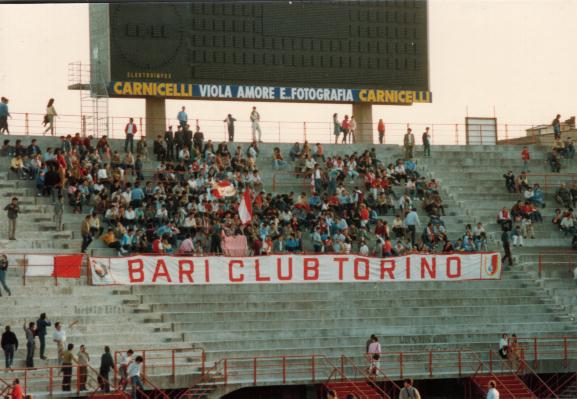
(189, 205)
(519, 219)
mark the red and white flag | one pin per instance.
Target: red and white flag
(61, 266)
(245, 208)
(223, 189)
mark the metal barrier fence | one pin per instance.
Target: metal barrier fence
(272, 131)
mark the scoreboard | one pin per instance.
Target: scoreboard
(330, 51)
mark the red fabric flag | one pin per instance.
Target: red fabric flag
(69, 266)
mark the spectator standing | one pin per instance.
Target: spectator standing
(409, 391)
(255, 123)
(352, 129)
(492, 393)
(169, 140)
(345, 128)
(525, 156)
(230, 127)
(59, 336)
(129, 130)
(3, 271)
(106, 365)
(198, 139)
(557, 126)
(12, 209)
(412, 222)
(83, 361)
(336, 127)
(59, 211)
(30, 332)
(381, 131)
(41, 325)
(125, 361)
(182, 117)
(506, 241)
(409, 143)
(4, 114)
(134, 375)
(504, 346)
(9, 346)
(426, 143)
(16, 391)
(67, 360)
(49, 117)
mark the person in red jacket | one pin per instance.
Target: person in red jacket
(381, 130)
(130, 130)
(345, 127)
(16, 392)
(525, 157)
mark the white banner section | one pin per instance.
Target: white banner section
(283, 269)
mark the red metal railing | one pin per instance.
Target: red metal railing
(169, 362)
(551, 181)
(550, 260)
(29, 123)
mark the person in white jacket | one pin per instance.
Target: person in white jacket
(492, 393)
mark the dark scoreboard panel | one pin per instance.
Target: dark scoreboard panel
(361, 44)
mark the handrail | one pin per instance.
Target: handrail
(30, 123)
(206, 376)
(344, 377)
(541, 383)
(346, 360)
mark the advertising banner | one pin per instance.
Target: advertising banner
(267, 93)
(293, 268)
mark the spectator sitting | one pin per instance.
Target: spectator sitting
(556, 220)
(567, 224)
(509, 181)
(295, 151)
(554, 162)
(480, 237)
(517, 236)
(535, 196)
(277, 159)
(527, 228)
(521, 182)
(563, 196)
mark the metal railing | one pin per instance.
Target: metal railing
(167, 362)
(30, 123)
(550, 260)
(551, 181)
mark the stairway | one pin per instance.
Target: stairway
(509, 386)
(200, 391)
(362, 389)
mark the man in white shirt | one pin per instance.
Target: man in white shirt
(59, 336)
(130, 131)
(492, 393)
(134, 376)
(125, 361)
(364, 249)
(255, 122)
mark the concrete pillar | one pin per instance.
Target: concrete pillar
(155, 117)
(363, 113)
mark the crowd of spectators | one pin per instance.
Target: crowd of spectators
(177, 209)
(518, 220)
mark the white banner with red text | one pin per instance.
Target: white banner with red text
(283, 269)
